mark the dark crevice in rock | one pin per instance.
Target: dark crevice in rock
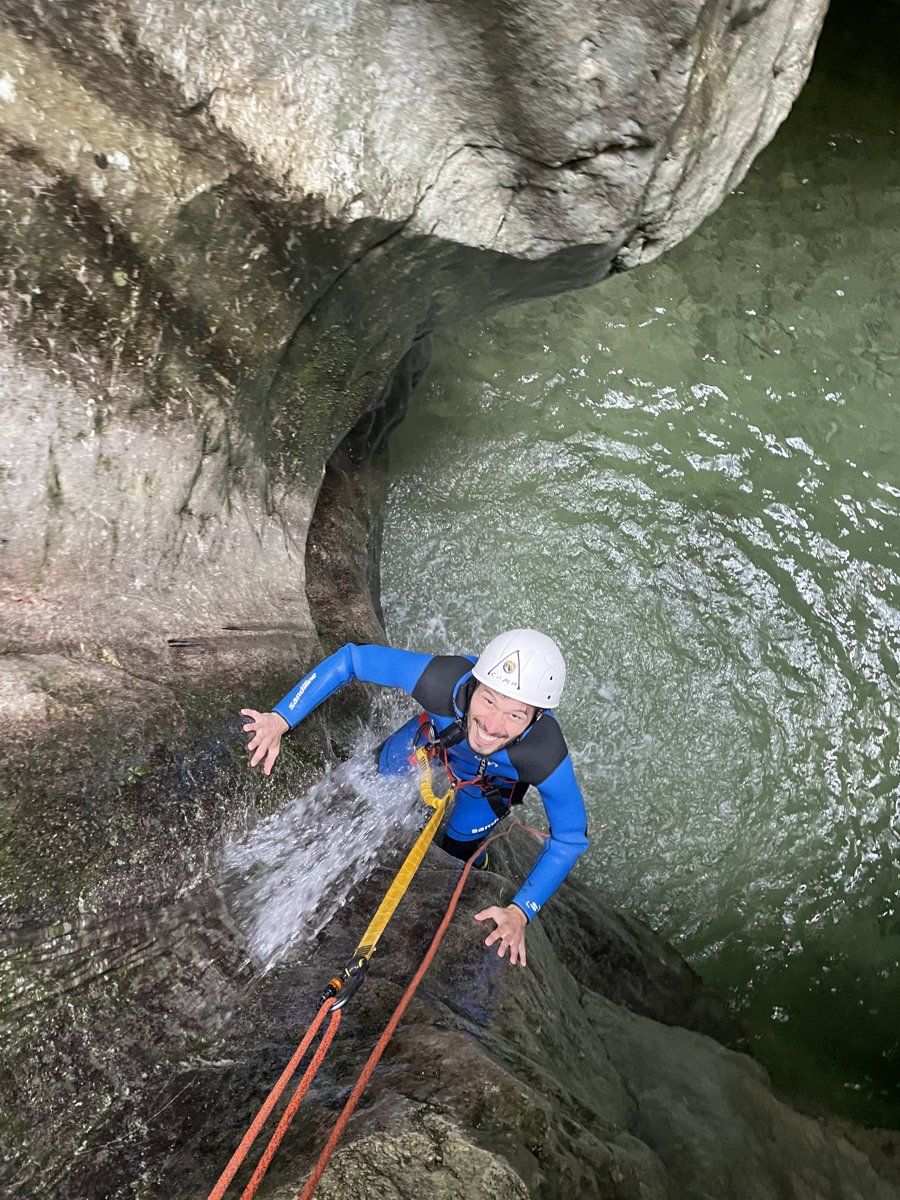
(202, 105)
(636, 144)
(343, 550)
(746, 12)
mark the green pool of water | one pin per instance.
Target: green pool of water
(690, 476)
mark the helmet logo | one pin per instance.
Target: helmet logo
(507, 670)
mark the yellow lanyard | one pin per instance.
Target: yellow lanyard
(355, 969)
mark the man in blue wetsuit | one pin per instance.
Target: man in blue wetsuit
(492, 718)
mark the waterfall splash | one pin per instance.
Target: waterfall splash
(289, 876)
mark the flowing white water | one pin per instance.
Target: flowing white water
(288, 877)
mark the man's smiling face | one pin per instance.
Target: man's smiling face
(494, 720)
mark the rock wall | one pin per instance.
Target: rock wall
(599, 1071)
(226, 231)
(224, 225)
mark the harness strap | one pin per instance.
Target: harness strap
(436, 745)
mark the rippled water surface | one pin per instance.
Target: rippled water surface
(690, 476)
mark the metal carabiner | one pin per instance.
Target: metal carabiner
(347, 984)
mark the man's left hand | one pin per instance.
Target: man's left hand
(509, 932)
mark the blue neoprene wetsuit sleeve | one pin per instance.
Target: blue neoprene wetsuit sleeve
(568, 838)
(371, 664)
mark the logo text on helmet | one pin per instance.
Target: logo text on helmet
(507, 670)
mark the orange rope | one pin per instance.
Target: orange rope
(260, 1119)
(288, 1115)
(315, 1063)
(380, 1046)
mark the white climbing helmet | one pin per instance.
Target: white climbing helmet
(525, 665)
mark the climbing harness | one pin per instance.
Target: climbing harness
(344, 985)
(437, 746)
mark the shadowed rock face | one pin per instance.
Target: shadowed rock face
(227, 231)
(225, 224)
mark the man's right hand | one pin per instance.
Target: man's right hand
(267, 729)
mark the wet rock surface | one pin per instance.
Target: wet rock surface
(604, 1068)
(227, 233)
(503, 1081)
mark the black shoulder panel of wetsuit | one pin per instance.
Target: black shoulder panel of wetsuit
(437, 683)
(540, 753)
